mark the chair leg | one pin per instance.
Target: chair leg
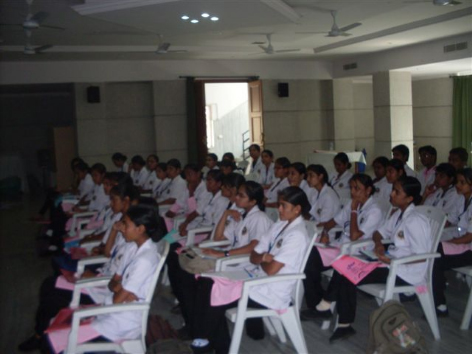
(427, 304)
(294, 329)
(237, 335)
(467, 314)
(269, 326)
(278, 327)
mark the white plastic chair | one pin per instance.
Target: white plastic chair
(385, 292)
(467, 271)
(136, 346)
(79, 220)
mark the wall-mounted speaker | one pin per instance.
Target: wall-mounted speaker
(283, 89)
(93, 94)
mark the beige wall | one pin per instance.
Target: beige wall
(364, 119)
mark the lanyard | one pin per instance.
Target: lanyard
(272, 189)
(159, 192)
(271, 245)
(441, 196)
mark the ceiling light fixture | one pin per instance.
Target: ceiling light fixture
(205, 15)
(185, 17)
(194, 21)
(214, 18)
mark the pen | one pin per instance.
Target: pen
(249, 273)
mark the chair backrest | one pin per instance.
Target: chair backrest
(299, 290)
(272, 213)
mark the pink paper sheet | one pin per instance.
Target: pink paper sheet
(78, 253)
(198, 238)
(452, 249)
(62, 283)
(353, 268)
(94, 224)
(67, 207)
(225, 291)
(328, 255)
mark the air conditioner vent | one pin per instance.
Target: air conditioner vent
(454, 47)
(350, 66)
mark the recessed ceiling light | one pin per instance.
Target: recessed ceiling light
(205, 15)
(194, 21)
(214, 18)
(185, 17)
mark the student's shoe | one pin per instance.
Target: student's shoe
(200, 346)
(342, 333)
(31, 344)
(312, 314)
(442, 313)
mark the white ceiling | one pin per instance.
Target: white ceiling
(129, 29)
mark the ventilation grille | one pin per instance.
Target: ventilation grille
(350, 66)
(456, 46)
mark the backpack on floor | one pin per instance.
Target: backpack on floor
(159, 328)
(392, 331)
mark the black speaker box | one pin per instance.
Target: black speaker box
(283, 89)
(93, 94)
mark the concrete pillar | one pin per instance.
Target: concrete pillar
(393, 113)
(343, 115)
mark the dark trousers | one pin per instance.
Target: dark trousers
(210, 321)
(347, 292)
(441, 265)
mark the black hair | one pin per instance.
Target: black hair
(111, 176)
(192, 166)
(124, 190)
(138, 159)
(268, 152)
(81, 166)
(319, 170)
(467, 173)
(99, 167)
(428, 149)
(296, 196)
(147, 215)
(162, 166)
(255, 192)
(216, 175)
(412, 188)
(228, 156)
(124, 178)
(255, 146)
(161, 230)
(283, 161)
(155, 157)
(381, 160)
(118, 156)
(365, 180)
(233, 180)
(461, 153)
(448, 170)
(213, 156)
(403, 150)
(397, 165)
(75, 161)
(228, 163)
(174, 163)
(299, 167)
(343, 158)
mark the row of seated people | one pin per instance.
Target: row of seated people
(221, 203)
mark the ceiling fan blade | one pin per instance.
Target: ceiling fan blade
(11, 24)
(177, 51)
(317, 32)
(287, 50)
(265, 49)
(40, 16)
(344, 34)
(43, 48)
(163, 47)
(351, 26)
(53, 27)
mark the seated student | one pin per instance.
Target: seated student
(163, 182)
(359, 219)
(428, 157)
(382, 186)
(266, 178)
(297, 178)
(85, 187)
(119, 160)
(152, 181)
(442, 194)
(229, 156)
(340, 180)
(281, 169)
(402, 153)
(139, 172)
(410, 233)
(211, 163)
(99, 199)
(279, 251)
(210, 213)
(177, 185)
(227, 167)
(457, 251)
(256, 165)
(395, 170)
(458, 158)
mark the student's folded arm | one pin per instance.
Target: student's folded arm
(123, 296)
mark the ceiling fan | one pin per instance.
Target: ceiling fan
(163, 47)
(29, 49)
(270, 48)
(33, 22)
(335, 30)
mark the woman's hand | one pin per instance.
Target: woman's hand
(355, 204)
(212, 252)
(429, 190)
(383, 258)
(183, 229)
(324, 237)
(170, 214)
(234, 214)
(118, 226)
(267, 258)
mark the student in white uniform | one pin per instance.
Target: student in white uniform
(177, 185)
(410, 233)
(227, 167)
(266, 178)
(281, 169)
(395, 170)
(458, 157)
(163, 182)
(139, 172)
(229, 156)
(297, 178)
(152, 181)
(402, 153)
(340, 180)
(442, 193)
(359, 220)
(99, 198)
(382, 186)
(85, 188)
(255, 166)
(279, 251)
(211, 163)
(119, 160)
(428, 157)
(457, 251)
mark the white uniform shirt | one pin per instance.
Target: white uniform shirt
(123, 168)
(325, 204)
(426, 177)
(114, 218)
(86, 187)
(136, 278)
(410, 235)
(99, 199)
(106, 214)
(160, 190)
(307, 189)
(211, 213)
(255, 170)
(409, 171)
(369, 219)
(151, 182)
(465, 221)
(201, 195)
(275, 188)
(176, 189)
(288, 244)
(448, 201)
(139, 177)
(383, 189)
(341, 184)
(267, 174)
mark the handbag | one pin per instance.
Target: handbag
(194, 264)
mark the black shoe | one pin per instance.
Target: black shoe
(342, 332)
(32, 343)
(202, 350)
(444, 313)
(183, 334)
(312, 314)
